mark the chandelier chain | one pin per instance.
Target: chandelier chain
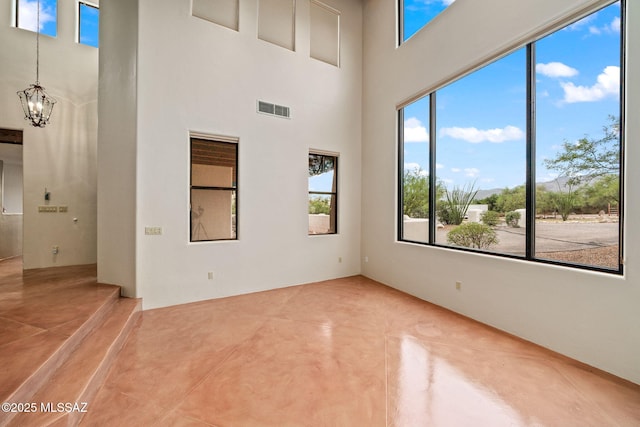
(38, 44)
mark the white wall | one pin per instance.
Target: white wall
(62, 156)
(197, 76)
(10, 200)
(11, 187)
(117, 133)
(589, 316)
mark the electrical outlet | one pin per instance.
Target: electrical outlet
(63, 209)
(339, 259)
(55, 250)
(366, 259)
(458, 286)
(210, 275)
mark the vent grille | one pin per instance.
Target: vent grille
(273, 109)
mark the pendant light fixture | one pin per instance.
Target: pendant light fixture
(37, 105)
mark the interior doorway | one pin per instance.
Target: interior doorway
(11, 195)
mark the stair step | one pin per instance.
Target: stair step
(81, 373)
(27, 363)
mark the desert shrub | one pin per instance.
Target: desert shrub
(512, 218)
(473, 235)
(453, 208)
(490, 218)
(319, 205)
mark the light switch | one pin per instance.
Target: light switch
(153, 231)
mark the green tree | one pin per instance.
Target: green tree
(602, 192)
(545, 201)
(511, 199)
(319, 205)
(490, 201)
(566, 200)
(415, 198)
(589, 158)
(566, 203)
(416, 193)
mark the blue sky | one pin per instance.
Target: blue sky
(481, 119)
(418, 12)
(89, 16)
(27, 19)
(27, 16)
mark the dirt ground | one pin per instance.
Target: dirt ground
(603, 257)
(587, 240)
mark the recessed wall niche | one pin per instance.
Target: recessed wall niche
(221, 12)
(276, 22)
(325, 33)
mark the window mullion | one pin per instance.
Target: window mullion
(531, 153)
(401, 182)
(432, 169)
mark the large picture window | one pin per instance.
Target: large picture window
(323, 193)
(214, 190)
(522, 157)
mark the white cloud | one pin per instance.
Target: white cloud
(556, 69)
(581, 23)
(607, 84)
(612, 27)
(414, 131)
(455, 170)
(615, 24)
(447, 2)
(439, 166)
(474, 135)
(27, 14)
(471, 172)
(488, 180)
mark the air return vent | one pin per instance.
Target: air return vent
(273, 109)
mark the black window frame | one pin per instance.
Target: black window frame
(333, 216)
(234, 188)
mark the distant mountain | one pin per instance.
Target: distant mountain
(559, 184)
(483, 194)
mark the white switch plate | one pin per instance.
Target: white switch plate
(153, 231)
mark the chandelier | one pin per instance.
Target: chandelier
(37, 105)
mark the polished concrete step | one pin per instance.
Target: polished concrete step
(59, 330)
(67, 394)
